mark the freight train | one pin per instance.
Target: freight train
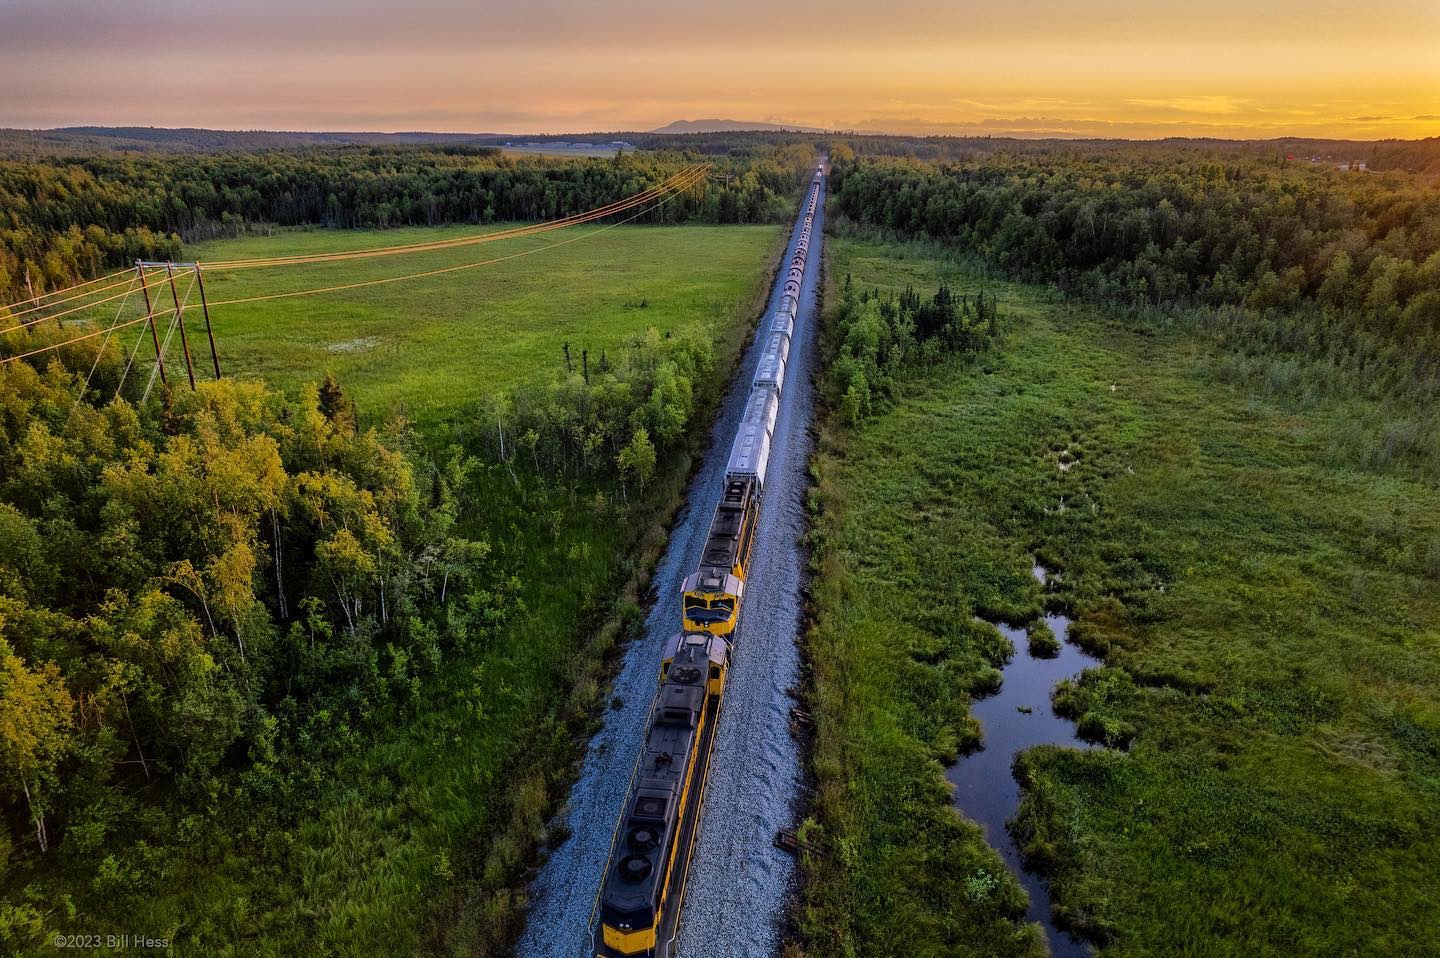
(644, 882)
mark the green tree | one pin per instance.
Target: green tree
(36, 717)
(637, 460)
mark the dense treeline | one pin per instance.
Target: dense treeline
(878, 338)
(1415, 156)
(65, 219)
(1412, 156)
(215, 582)
(1341, 265)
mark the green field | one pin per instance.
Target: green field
(1265, 590)
(437, 344)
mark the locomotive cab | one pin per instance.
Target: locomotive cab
(695, 649)
(712, 601)
(712, 593)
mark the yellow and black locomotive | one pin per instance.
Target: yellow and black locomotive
(657, 832)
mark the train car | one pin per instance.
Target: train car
(782, 323)
(750, 456)
(644, 886)
(777, 346)
(762, 409)
(770, 372)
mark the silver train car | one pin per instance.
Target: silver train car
(750, 453)
(712, 593)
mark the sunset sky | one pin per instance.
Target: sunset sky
(1028, 67)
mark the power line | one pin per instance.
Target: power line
(453, 269)
(685, 178)
(491, 237)
(74, 309)
(671, 192)
(69, 299)
(69, 342)
(101, 351)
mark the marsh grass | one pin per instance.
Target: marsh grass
(1042, 641)
(1254, 559)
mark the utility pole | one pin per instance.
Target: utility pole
(180, 320)
(150, 315)
(209, 331)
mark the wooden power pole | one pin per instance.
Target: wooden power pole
(209, 330)
(150, 315)
(180, 320)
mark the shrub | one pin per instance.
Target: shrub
(1042, 641)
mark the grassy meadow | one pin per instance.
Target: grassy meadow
(1265, 591)
(433, 346)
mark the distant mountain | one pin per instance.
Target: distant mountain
(733, 126)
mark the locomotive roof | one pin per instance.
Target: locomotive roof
(653, 810)
(723, 539)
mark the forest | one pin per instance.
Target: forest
(68, 218)
(880, 338)
(212, 601)
(1340, 265)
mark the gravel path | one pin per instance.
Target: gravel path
(739, 880)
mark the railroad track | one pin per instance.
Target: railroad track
(642, 897)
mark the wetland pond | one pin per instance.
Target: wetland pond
(1017, 717)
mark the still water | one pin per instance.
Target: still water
(985, 790)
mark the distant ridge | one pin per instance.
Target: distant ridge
(147, 139)
(733, 126)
